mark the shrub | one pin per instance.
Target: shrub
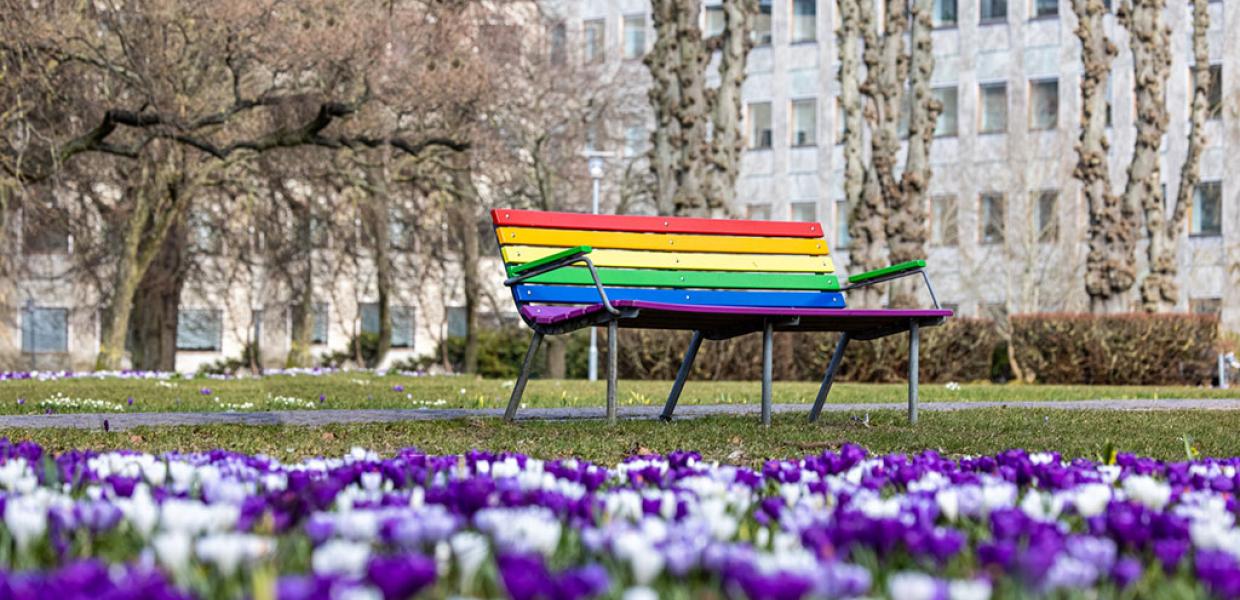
(1137, 349)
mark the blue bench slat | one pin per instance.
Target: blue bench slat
(588, 295)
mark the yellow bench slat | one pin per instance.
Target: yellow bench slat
(645, 259)
(563, 238)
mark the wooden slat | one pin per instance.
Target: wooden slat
(507, 217)
(693, 261)
(563, 294)
(540, 236)
(654, 278)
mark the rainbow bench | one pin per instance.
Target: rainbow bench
(715, 277)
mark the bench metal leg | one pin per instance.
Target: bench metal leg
(515, 400)
(830, 377)
(914, 341)
(768, 334)
(612, 361)
(685, 367)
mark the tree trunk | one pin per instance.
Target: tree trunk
(906, 223)
(1107, 273)
(695, 170)
(465, 211)
(156, 305)
(383, 268)
(301, 312)
(847, 39)
(557, 350)
(886, 68)
(727, 141)
(1159, 291)
(1150, 40)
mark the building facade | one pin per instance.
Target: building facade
(1007, 219)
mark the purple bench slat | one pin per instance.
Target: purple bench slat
(657, 315)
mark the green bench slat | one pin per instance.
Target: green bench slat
(875, 274)
(690, 279)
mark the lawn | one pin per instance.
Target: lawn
(1089, 434)
(367, 390)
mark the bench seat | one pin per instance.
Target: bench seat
(861, 323)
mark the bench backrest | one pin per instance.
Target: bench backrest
(672, 259)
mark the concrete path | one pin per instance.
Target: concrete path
(118, 421)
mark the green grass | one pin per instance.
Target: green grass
(364, 390)
(732, 439)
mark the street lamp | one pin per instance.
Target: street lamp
(596, 163)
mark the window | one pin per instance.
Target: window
(993, 117)
(946, 125)
(993, 10)
(943, 224)
(714, 21)
(318, 231)
(1207, 216)
(803, 211)
(558, 42)
(804, 122)
(1205, 306)
(1214, 97)
(760, 125)
(842, 238)
(45, 330)
(1045, 217)
(594, 137)
(1043, 104)
(45, 232)
(457, 326)
(402, 323)
(991, 226)
(758, 212)
(200, 329)
(944, 13)
(634, 36)
(595, 34)
(762, 24)
(318, 323)
(634, 141)
(205, 234)
(401, 233)
(1045, 8)
(804, 20)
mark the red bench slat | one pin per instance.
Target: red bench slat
(641, 224)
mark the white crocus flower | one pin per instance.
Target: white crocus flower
(26, 518)
(471, 550)
(1091, 499)
(227, 551)
(340, 557)
(640, 592)
(912, 586)
(969, 589)
(1152, 493)
(948, 501)
(173, 550)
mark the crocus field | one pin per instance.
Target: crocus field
(837, 524)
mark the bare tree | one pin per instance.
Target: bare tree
(697, 141)
(1110, 269)
(1150, 40)
(906, 222)
(1159, 291)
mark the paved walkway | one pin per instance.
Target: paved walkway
(326, 417)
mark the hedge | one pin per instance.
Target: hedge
(1052, 348)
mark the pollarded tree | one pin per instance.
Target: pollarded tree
(1159, 291)
(886, 209)
(697, 141)
(1109, 266)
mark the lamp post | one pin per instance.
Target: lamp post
(596, 173)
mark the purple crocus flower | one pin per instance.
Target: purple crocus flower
(1126, 571)
(400, 577)
(205, 391)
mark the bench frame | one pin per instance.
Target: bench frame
(611, 316)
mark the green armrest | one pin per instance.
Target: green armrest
(883, 272)
(546, 260)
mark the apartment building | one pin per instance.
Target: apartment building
(1007, 220)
